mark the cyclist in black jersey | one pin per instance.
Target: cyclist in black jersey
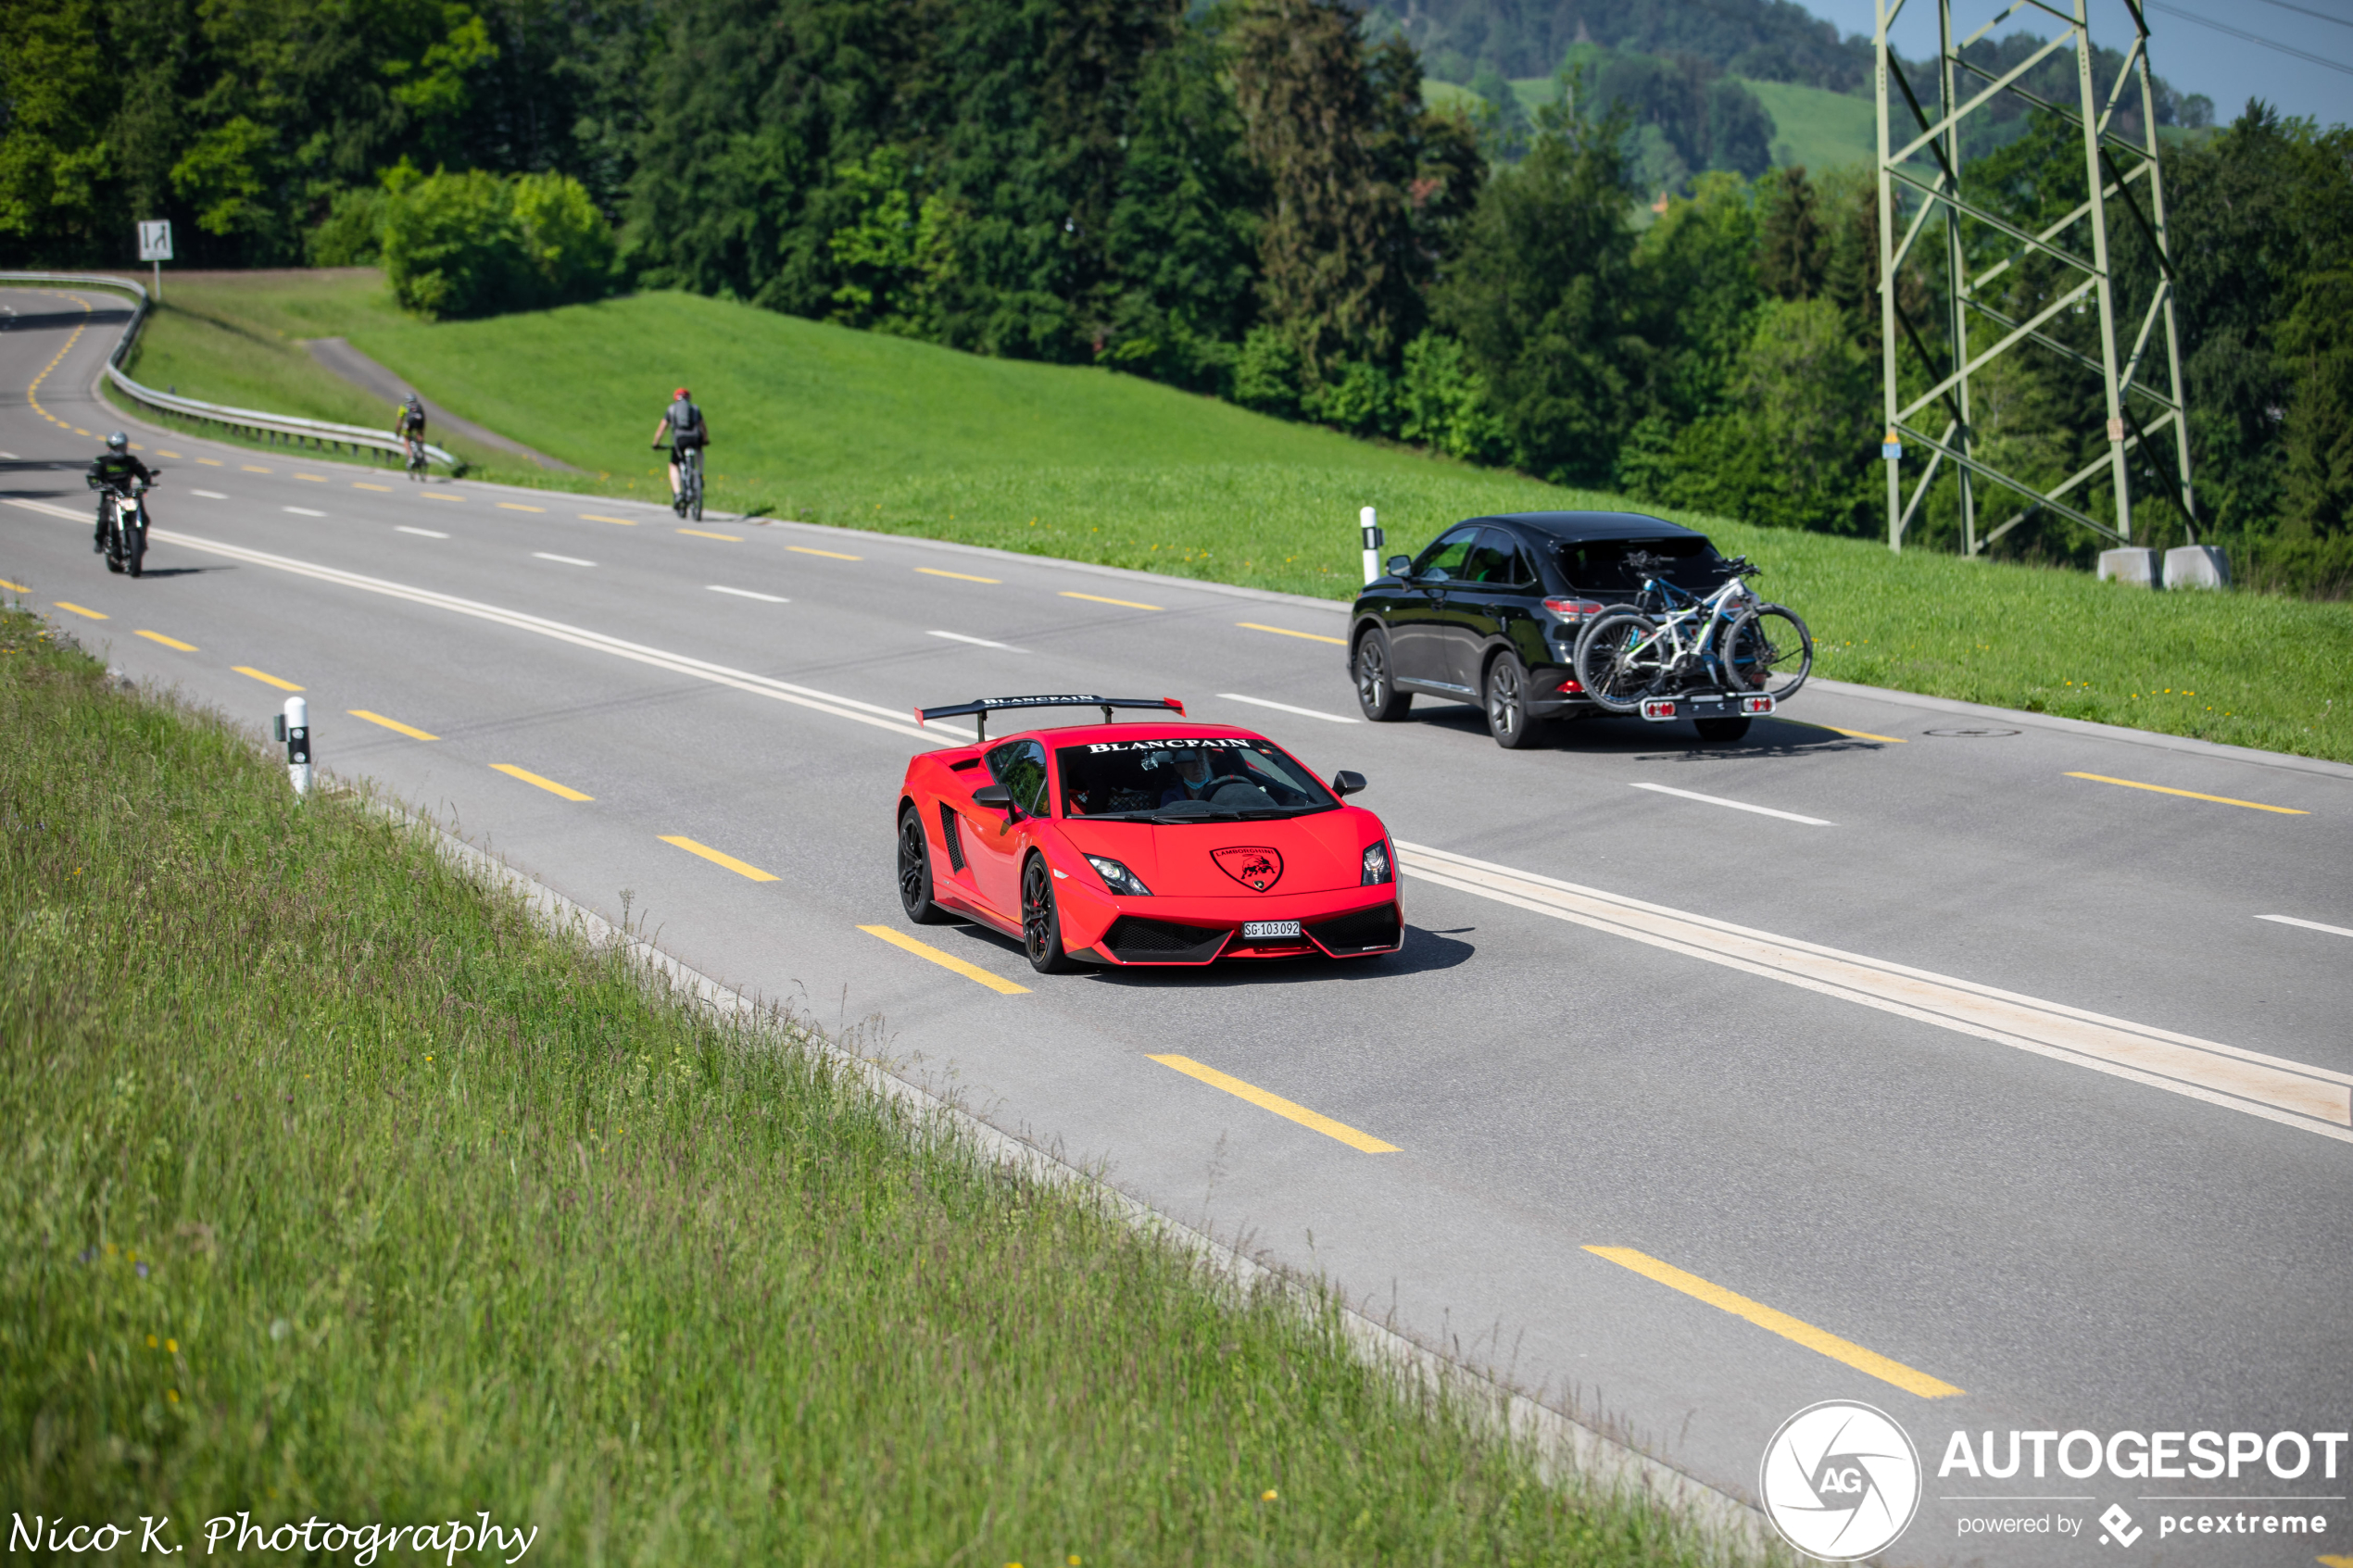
(682, 426)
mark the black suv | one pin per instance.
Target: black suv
(1489, 614)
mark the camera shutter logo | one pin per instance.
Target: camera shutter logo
(1841, 1481)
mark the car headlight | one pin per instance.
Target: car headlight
(1118, 878)
(1376, 865)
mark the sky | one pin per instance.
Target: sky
(2194, 57)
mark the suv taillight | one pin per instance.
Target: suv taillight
(1572, 609)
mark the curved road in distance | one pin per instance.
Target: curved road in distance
(1950, 1081)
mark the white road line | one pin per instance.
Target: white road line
(568, 560)
(2308, 924)
(892, 718)
(1737, 805)
(2315, 1098)
(420, 533)
(1287, 708)
(977, 642)
(747, 593)
(301, 512)
(210, 494)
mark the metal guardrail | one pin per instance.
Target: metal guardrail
(323, 433)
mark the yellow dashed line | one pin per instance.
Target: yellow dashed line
(393, 724)
(706, 534)
(1788, 1327)
(719, 857)
(1277, 1104)
(960, 576)
(527, 776)
(167, 642)
(2192, 795)
(265, 680)
(829, 554)
(92, 614)
(1097, 599)
(598, 517)
(946, 960)
(519, 507)
(1287, 632)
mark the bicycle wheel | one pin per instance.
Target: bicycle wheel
(1768, 650)
(1620, 661)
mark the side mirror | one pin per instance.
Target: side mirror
(996, 797)
(1401, 566)
(1345, 782)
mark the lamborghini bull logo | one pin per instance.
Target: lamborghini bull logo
(1257, 869)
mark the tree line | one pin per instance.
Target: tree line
(1249, 200)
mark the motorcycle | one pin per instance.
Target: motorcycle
(127, 527)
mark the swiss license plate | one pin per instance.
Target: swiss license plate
(1257, 928)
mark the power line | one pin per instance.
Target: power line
(2302, 10)
(2249, 37)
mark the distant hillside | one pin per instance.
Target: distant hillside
(1763, 40)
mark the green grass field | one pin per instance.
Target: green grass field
(1817, 127)
(848, 428)
(337, 1188)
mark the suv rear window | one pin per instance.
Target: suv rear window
(1599, 565)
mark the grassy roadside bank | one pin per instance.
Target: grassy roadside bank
(339, 1189)
(834, 426)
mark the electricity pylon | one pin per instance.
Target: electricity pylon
(1920, 181)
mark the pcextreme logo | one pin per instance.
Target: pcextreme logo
(1841, 1481)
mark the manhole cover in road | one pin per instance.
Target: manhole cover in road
(1972, 734)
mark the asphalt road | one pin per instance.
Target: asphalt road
(1989, 1080)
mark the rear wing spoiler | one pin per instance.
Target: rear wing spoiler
(984, 706)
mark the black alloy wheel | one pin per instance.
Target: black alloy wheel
(914, 872)
(1507, 717)
(1376, 693)
(1041, 926)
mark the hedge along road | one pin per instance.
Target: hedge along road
(1980, 1091)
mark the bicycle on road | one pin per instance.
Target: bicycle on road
(688, 502)
(415, 447)
(1671, 641)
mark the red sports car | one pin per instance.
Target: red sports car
(1154, 843)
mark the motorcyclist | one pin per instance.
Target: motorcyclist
(682, 426)
(113, 471)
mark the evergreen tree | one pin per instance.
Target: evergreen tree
(1542, 295)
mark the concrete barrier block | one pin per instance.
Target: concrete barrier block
(2141, 568)
(2196, 566)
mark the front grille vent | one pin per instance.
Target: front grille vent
(1365, 931)
(1158, 941)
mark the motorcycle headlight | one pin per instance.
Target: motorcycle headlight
(1376, 865)
(1118, 878)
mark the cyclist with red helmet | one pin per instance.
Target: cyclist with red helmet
(682, 428)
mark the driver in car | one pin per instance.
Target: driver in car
(1195, 781)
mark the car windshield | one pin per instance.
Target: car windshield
(1190, 779)
(1599, 565)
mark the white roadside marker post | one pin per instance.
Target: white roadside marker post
(293, 728)
(1374, 538)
